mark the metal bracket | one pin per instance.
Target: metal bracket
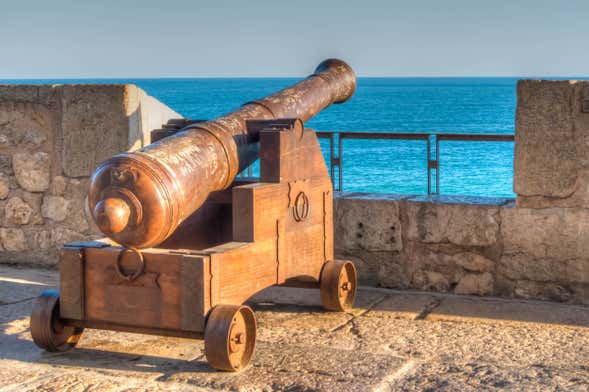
(171, 127)
(296, 125)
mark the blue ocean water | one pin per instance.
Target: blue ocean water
(425, 105)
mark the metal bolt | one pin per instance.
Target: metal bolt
(238, 339)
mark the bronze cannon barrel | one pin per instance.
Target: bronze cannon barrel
(139, 198)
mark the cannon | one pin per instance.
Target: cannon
(188, 241)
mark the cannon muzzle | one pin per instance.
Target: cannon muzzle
(139, 198)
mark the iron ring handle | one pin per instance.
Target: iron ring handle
(137, 272)
(301, 207)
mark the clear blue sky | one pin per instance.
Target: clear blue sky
(181, 38)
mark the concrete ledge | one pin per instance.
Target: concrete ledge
(465, 245)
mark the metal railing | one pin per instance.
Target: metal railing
(433, 163)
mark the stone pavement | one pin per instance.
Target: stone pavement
(391, 341)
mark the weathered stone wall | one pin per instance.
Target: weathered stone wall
(51, 139)
(479, 246)
(536, 246)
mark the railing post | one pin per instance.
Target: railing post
(331, 158)
(428, 160)
(437, 165)
(340, 177)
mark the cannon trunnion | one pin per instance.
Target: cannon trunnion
(255, 233)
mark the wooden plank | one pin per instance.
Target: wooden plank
(71, 284)
(193, 304)
(243, 214)
(92, 324)
(305, 253)
(285, 157)
(255, 210)
(239, 270)
(153, 300)
(328, 225)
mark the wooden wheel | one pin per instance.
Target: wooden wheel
(230, 337)
(338, 285)
(47, 329)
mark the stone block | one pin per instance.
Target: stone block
(117, 122)
(92, 136)
(438, 221)
(17, 211)
(26, 94)
(4, 186)
(13, 240)
(551, 166)
(34, 200)
(31, 138)
(76, 214)
(577, 270)
(6, 164)
(367, 223)
(24, 125)
(55, 208)
(32, 170)
(528, 289)
(434, 257)
(475, 284)
(41, 239)
(57, 186)
(61, 236)
(472, 262)
(545, 245)
(430, 281)
(554, 233)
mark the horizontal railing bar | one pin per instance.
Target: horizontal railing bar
(419, 136)
(479, 137)
(324, 134)
(383, 135)
(375, 135)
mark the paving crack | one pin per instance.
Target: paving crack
(428, 308)
(2, 303)
(351, 320)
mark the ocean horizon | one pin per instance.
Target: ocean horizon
(479, 105)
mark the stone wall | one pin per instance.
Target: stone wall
(467, 245)
(51, 139)
(536, 246)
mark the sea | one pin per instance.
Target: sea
(404, 105)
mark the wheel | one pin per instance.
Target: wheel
(230, 337)
(338, 285)
(47, 330)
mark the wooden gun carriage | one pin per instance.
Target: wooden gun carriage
(243, 236)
